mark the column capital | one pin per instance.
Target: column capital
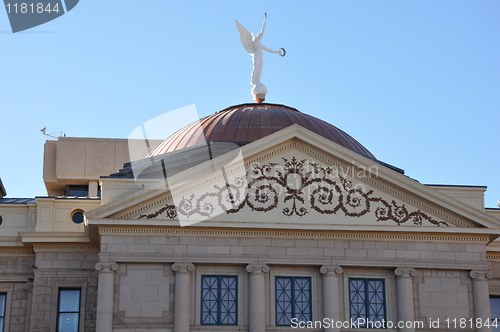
(183, 268)
(254, 269)
(106, 267)
(405, 273)
(331, 270)
(480, 275)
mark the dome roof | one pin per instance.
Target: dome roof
(246, 123)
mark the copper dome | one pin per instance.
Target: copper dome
(249, 122)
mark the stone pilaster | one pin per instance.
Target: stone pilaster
(257, 297)
(331, 294)
(406, 307)
(182, 296)
(105, 294)
(481, 297)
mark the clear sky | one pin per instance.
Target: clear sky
(416, 82)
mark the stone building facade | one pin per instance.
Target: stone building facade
(287, 224)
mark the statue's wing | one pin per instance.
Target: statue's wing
(246, 38)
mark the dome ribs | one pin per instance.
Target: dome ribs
(253, 129)
(197, 136)
(275, 120)
(265, 124)
(171, 143)
(230, 131)
(213, 129)
(249, 122)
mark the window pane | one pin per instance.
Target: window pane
(1, 324)
(283, 301)
(78, 190)
(228, 300)
(69, 300)
(3, 300)
(376, 302)
(68, 322)
(495, 312)
(357, 298)
(209, 290)
(293, 299)
(219, 300)
(367, 300)
(302, 299)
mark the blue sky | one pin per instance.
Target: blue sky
(416, 82)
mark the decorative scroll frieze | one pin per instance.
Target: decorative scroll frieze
(299, 187)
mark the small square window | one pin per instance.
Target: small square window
(3, 305)
(367, 302)
(293, 300)
(68, 310)
(77, 190)
(219, 300)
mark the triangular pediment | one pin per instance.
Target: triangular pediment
(292, 179)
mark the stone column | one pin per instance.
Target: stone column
(406, 307)
(105, 294)
(257, 297)
(331, 295)
(182, 296)
(481, 297)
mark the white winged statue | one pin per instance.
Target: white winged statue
(254, 47)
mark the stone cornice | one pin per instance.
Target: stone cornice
(297, 260)
(63, 273)
(16, 251)
(65, 247)
(441, 234)
(493, 256)
(37, 237)
(10, 277)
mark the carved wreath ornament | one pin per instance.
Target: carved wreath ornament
(300, 187)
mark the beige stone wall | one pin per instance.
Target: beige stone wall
(144, 295)
(14, 274)
(58, 270)
(285, 250)
(442, 288)
(443, 294)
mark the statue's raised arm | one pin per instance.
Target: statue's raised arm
(261, 33)
(253, 46)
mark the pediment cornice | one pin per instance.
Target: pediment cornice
(427, 204)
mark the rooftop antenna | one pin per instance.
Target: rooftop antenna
(60, 133)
